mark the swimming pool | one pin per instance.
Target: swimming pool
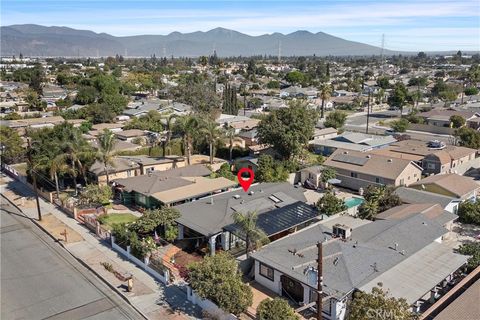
(353, 202)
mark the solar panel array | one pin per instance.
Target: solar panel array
(345, 158)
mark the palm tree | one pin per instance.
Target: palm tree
(368, 210)
(212, 133)
(169, 121)
(325, 93)
(247, 223)
(187, 126)
(230, 135)
(105, 152)
(58, 165)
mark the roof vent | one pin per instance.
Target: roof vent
(251, 193)
(345, 152)
(335, 261)
(395, 246)
(237, 196)
(368, 156)
(389, 160)
(402, 252)
(211, 200)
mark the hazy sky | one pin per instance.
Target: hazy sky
(407, 25)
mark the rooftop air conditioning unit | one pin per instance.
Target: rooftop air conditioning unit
(237, 196)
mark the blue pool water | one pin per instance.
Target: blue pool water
(353, 202)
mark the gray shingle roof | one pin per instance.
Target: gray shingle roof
(210, 218)
(410, 195)
(350, 264)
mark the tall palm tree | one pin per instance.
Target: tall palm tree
(58, 165)
(325, 91)
(368, 210)
(187, 126)
(254, 236)
(168, 126)
(230, 135)
(213, 134)
(105, 152)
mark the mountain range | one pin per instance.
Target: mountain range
(36, 40)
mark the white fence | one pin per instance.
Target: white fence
(142, 264)
(208, 306)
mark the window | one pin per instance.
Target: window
(353, 175)
(402, 182)
(129, 173)
(142, 199)
(266, 271)
(378, 180)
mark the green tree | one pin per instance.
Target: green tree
(269, 170)
(378, 305)
(471, 91)
(468, 137)
(457, 121)
(247, 223)
(471, 249)
(295, 77)
(187, 126)
(384, 196)
(368, 209)
(58, 166)
(213, 134)
(336, 119)
(276, 309)
(288, 130)
(325, 91)
(273, 84)
(398, 97)
(11, 144)
(86, 95)
(328, 174)
(469, 212)
(225, 172)
(153, 218)
(95, 194)
(218, 279)
(329, 204)
(383, 82)
(105, 152)
(400, 125)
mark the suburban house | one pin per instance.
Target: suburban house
(412, 196)
(451, 185)
(350, 141)
(22, 125)
(357, 170)
(323, 134)
(131, 134)
(131, 166)
(246, 162)
(440, 117)
(428, 210)
(281, 210)
(170, 187)
(406, 254)
(239, 123)
(249, 137)
(433, 158)
(311, 177)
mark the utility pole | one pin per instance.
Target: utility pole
(34, 178)
(319, 281)
(368, 109)
(244, 99)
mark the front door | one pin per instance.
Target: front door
(292, 289)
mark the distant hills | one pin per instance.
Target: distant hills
(36, 40)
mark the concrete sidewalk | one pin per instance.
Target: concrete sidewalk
(153, 299)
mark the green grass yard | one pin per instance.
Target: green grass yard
(116, 218)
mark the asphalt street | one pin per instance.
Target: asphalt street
(358, 123)
(41, 280)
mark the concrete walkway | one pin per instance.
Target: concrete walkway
(153, 299)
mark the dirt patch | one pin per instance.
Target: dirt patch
(57, 228)
(20, 201)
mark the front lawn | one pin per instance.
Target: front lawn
(116, 218)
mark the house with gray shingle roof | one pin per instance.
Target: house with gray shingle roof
(357, 259)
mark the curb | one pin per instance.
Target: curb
(111, 286)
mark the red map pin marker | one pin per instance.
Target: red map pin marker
(245, 183)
